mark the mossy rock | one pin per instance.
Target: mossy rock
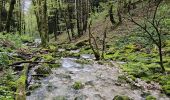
(48, 57)
(73, 54)
(118, 97)
(78, 85)
(57, 65)
(52, 48)
(122, 79)
(43, 69)
(81, 43)
(34, 86)
(83, 61)
(130, 48)
(150, 97)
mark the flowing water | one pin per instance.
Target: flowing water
(100, 83)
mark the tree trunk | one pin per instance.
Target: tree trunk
(0, 16)
(161, 59)
(42, 22)
(9, 17)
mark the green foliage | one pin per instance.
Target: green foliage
(8, 86)
(166, 89)
(4, 60)
(78, 85)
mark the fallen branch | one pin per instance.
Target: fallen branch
(32, 62)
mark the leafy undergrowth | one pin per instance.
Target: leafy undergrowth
(9, 45)
(139, 56)
(140, 59)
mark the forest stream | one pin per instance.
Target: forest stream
(84, 49)
(95, 81)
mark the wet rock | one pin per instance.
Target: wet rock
(69, 62)
(89, 83)
(118, 97)
(87, 56)
(67, 76)
(81, 97)
(60, 98)
(51, 87)
(34, 86)
(99, 97)
(118, 84)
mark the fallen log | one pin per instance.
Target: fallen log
(30, 62)
(21, 84)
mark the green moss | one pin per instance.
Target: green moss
(83, 61)
(83, 51)
(108, 56)
(73, 54)
(70, 46)
(57, 65)
(52, 48)
(78, 85)
(150, 97)
(26, 38)
(21, 85)
(166, 89)
(48, 57)
(44, 69)
(118, 97)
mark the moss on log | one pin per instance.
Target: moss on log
(21, 84)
